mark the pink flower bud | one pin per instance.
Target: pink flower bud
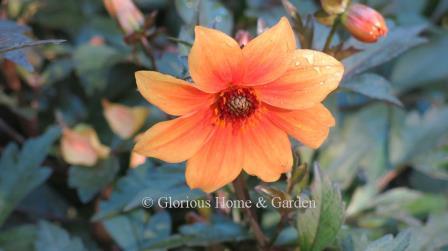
(81, 146)
(364, 23)
(129, 16)
(123, 120)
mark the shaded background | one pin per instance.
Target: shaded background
(388, 153)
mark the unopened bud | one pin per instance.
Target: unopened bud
(128, 15)
(334, 6)
(364, 23)
(123, 120)
(81, 146)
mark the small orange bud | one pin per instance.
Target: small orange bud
(81, 146)
(129, 16)
(364, 23)
(123, 120)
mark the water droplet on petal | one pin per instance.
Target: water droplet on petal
(309, 58)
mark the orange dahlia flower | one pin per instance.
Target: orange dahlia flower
(243, 104)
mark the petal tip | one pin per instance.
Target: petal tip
(139, 73)
(141, 76)
(200, 30)
(270, 178)
(138, 148)
(332, 121)
(284, 20)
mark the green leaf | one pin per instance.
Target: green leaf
(51, 237)
(356, 146)
(433, 163)
(20, 172)
(11, 101)
(44, 201)
(186, 33)
(68, 16)
(360, 199)
(57, 70)
(88, 181)
(405, 12)
(353, 239)
(397, 203)
(416, 134)
(388, 242)
(356, 240)
(12, 39)
(171, 63)
(25, 233)
(373, 86)
(397, 41)
(431, 236)
(319, 226)
(135, 230)
(288, 236)
(403, 200)
(421, 66)
(211, 13)
(93, 64)
(147, 181)
(187, 10)
(20, 45)
(217, 231)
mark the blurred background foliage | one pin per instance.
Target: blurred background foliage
(388, 154)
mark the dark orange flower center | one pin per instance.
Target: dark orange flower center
(236, 104)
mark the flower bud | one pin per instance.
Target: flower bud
(123, 120)
(81, 146)
(129, 16)
(242, 37)
(364, 23)
(334, 6)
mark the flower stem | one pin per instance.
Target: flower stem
(11, 131)
(279, 228)
(148, 51)
(180, 41)
(242, 194)
(331, 35)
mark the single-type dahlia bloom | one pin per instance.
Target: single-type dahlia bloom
(364, 23)
(243, 104)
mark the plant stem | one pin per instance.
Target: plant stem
(11, 132)
(147, 48)
(279, 228)
(180, 41)
(331, 35)
(242, 194)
